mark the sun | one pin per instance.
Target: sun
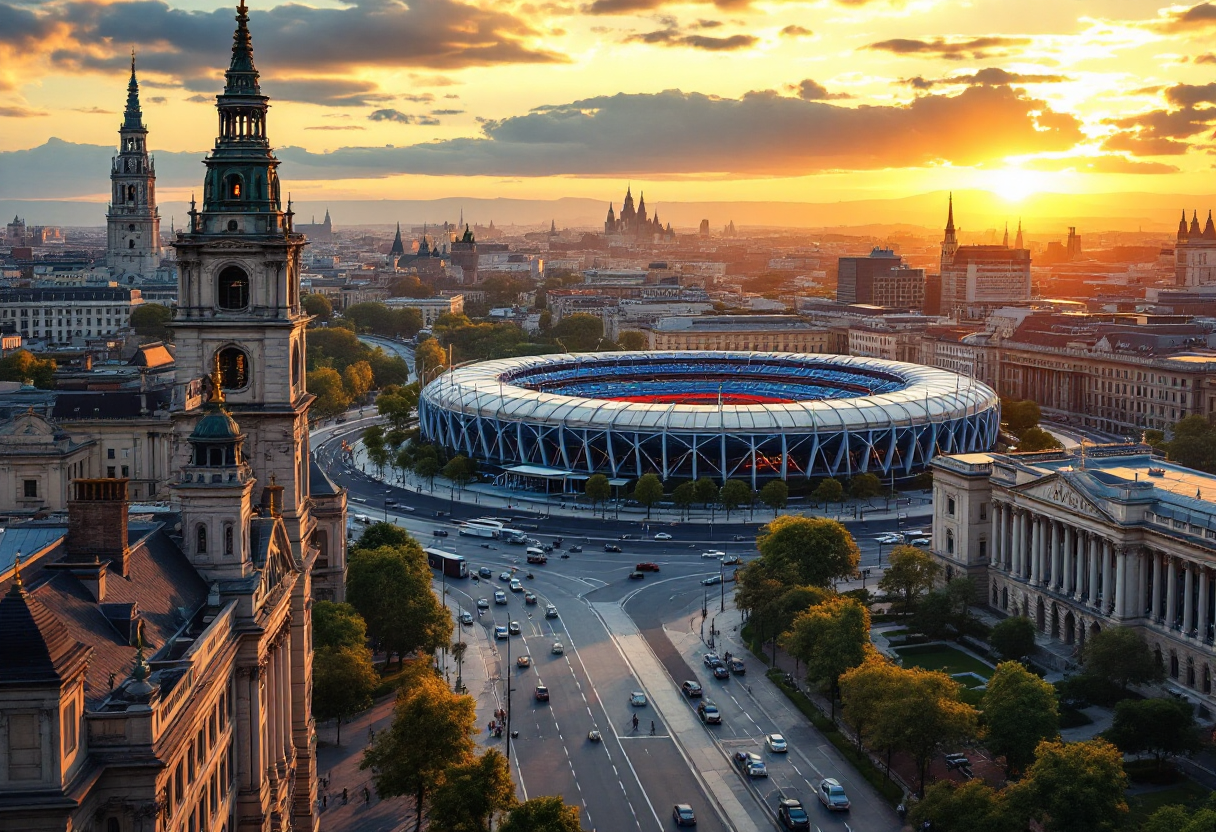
(1014, 184)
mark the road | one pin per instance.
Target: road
(630, 780)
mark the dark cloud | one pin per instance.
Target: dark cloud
(451, 95)
(1168, 124)
(1202, 16)
(793, 31)
(951, 49)
(418, 98)
(446, 112)
(707, 24)
(402, 118)
(674, 37)
(809, 90)
(156, 99)
(326, 92)
(337, 127)
(1099, 164)
(17, 111)
(1144, 145)
(199, 98)
(1188, 95)
(988, 77)
(85, 35)
(1206, 58)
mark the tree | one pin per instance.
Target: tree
(1020, 415)
(966, 807)
(429, 357)
(1037, 439)
(317, 305)
(865, 487)
(909, 573)
(391, 588)
(427, 467)
(542, 814)
(23, 366)
(1121, 656)
(398, 405)
(775, 494)
(1019, 711)
(332, 398)
(150, 322)
(828, 491)
(923, 716)
(431, 732)
(934, 615)
(735, 493)
(471, 793)
(388, 370)
(961, 592)
(597, 489)
(460, 470)
(1194, 444)
(1013, 638)
(1074, 787)
(864, 690)
(707, 491)
(648, 490)
(632, 340)
(830, 638)
(343, 679)
(357, 379)
(579, 332)
(757, 592)
(1161, 727)
(384, 534)
(809, 550)
(684, 496)
(337, 625)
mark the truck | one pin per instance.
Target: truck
(537, 555)
(450, 564)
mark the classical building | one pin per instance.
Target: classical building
(157, 668)
(69, 316)
(132, 220)
(1084, 540)
(763, 333)
(882, 279)
(976, 279)
(430, 308)
(1195, 252)
(38, 461)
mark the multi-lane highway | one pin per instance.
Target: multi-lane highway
(631, 779)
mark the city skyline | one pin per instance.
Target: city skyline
(734, 101)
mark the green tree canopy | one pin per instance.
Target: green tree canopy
(1194, 444)
(337, 625)
(1020, 415)
(1013, 638)
(1037, 439)
(597, 489)
(384, 534)
(828, 491)
(1074, 787)
(830, 638)
(808, 550)
(966, 807)
(1121, 656)
(910, 573)
(391, 588)
(150, 322)
(343, 679)
(579, 332)
(399, 405)
(24, 366)
(542, 814)
(865, 486)
(775, 494)
(648, 491)
(471, 793)
(631, 339)
(431, 733)
(317, 305)
(684, 496)
(1161, 727)
(707, 491)
(735, 494)
(460, 470)
(379, 319)
(934, 614)
(1019, 712)
(332, 397)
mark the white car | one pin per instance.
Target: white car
(558, 648)
(500, 632)
(466, 617)
(714, 554)
(831, 795)
(504, 576)
(889, 538)
(637, 699)
(662, 536)
(500, 597)
(776, 743)
(516, 586)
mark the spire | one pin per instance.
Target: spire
(950, 216)
(326, 221)
(1005, 243)
(553, 227)
(1209, 230)
(1182, 226)
(242, 76)
(398, 249)
(1195, 232)
(1017, 243)
(611, 213)
(461, 218)
(133, 118)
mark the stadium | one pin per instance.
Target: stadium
(726, 415)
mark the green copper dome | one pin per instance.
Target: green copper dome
(215, 426)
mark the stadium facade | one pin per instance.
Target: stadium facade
(726, 415)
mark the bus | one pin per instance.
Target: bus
(452, 565)
(482, 528)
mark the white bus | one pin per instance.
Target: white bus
(482, 528)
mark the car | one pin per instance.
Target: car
(683, 815)
(485, 572)
(636, 575)
(538, 557)
(500, 632)
(713, 554)
(550, 611)
(523, 661)
(776, 743)
(558, 649)
(831, 794)
(516, 586)
(439, 532)
(389, 501)
(691, 689)
(957, 760)
(720, 672)
(710, 659)
(611, 547)
(500, 597)
(662, 536)
(922, 542)
(750, 764)
(890, 538)
(362, 518)
(529, 598)
(637, 699)
(546, 547)
(483, 604)
(441, 514)
(575, 549)
(647, 566)
(340, 420)
(466, 617)
(712, 580)
(709, 712)
(736, 666)
(792, 815)
(542, 693)
(594, 736)
(513, 628)
(731, 560)
(739, 537)
(504, 576)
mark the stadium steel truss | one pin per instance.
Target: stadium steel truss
(725, 415)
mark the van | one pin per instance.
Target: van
(362, 518)
(537, 555)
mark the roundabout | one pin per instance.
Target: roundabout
(685, 415)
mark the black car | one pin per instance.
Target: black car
(611, 547)
(792, 814)
(439, 533)
(389, 501)
(720, 672)
(736, 666)
(683, 815)
(691, 689)
(636, 575)
(575, 549)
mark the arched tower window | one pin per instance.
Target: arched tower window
(130, 244)
(228, 539)
(233, 288)
(200, 539)
(233, 187)
(234, 368)
(297, 366)
(130, 193)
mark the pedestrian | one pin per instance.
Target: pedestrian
(324, 801)
(652, 727)
(344, 796)
(371, 734)
(367, 796)
(635, 722)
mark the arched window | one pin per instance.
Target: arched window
(1173, 665)
(234, 368)
(232, 186)
(112, 825)
(1190, 672)
(130, 193)
(130, 244)
(232, 289)
(1207, 679)
(200, 539)
(297, 367)
(228, 539)
(949, 542)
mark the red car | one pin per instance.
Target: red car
(647, 567)
(542, 693)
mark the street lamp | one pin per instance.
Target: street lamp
(508, 675)
(387, 491)
(722, 584)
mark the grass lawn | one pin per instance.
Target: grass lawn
(1187, 794)
(946, 659)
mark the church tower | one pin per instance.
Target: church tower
(950, 241)
(238, 311)
(132, 221)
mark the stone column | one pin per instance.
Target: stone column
(1093, 568)
(287, 699)
(1141, 600)
(1036, 551)
(1007, 535)
(1203, 603)
(1108, 578)
(1120, 582)
(998, 534)
(1156, 603)
(1068, 578)
(1017, 544)
(1171, 592)
(1188, 598)
(272, 708)
(1078, 590)
(257, 726)
(1055, 582)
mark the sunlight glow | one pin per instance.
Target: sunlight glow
(1014, 184)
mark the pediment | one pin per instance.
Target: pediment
(1056, 490)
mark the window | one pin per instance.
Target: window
(949, 542)
(234, 368)
(109, 453)
(232, 186)
(126, 470)
(950, 506)
(30, 488)
(983, 549)
(24, 747)
(983, 511)
(200, 537)
(110, 471)
(233, 288)
(227, 551)
(69, 727)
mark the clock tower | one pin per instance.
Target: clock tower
(132, 221)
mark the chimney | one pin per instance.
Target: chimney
(97, 523)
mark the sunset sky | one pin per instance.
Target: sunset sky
(806, 101)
